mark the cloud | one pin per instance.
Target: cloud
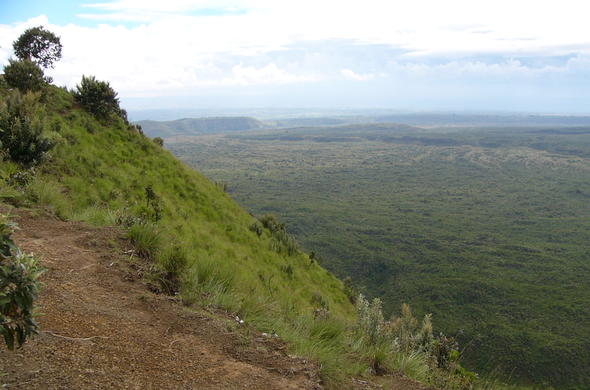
(183, 47)
(270, 74)
(349, 74)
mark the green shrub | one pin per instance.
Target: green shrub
(414, 365)
(24, 75)
(21, 179)
(256, 227)
(210, 282)
(173, 263)
(21, 129)
(158, 141)
(401, 344)
(19, 287)
(146, 238)
(282, 241)
(153, 209)
(97, 97)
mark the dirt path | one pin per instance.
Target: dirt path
(101, 330)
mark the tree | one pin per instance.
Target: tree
(24, 75)
(97, 97)
(38, 45)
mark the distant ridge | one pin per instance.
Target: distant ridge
(195, 126)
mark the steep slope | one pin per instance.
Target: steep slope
(199, 247)
(194, 126)
(197, 242)
(102, 329)
(101, 173)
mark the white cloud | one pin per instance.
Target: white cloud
(270, 74)
(349, 74)
(184, 45)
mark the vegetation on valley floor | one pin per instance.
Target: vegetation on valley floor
(484, 228)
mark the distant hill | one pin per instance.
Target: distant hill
(437, 119)
(196, 126)
(448, 119)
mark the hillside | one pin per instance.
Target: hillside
(194, 126)
(194, 244)
(191, 233)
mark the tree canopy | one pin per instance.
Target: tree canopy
(38, 45)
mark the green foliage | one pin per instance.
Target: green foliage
(201, 246)
(38, 45)
(484, 228)
(97, 97)
(21, 179)
(24, 75)
(318, 301)
(158, 141)
(7, 246)
(18, 289)
(21, 129)
(403, 344)
(153, 210)
(282, 241)
(146, 238)
(256, 227)
(173, 262)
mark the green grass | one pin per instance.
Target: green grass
(199, 246)
(484, 228)
(194, 241)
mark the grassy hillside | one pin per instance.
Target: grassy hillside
(100, 172)
(194, 126)
(196, 243)
(485, 228)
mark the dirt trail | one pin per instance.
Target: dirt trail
(101, 330)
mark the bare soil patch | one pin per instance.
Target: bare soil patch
(101, 329)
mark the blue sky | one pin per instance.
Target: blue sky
(455, 55)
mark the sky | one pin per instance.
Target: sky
(419, 55)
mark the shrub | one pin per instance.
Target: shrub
(146, 238)
(153, 209)
(19, 287)
(371, 323)
(446, 351)
(21, 179)
(159, 141)
(282, 241)
(401, 343)
(173, 262)
(97, 97)
(21, 130)
(256, 227)
(24, 75)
